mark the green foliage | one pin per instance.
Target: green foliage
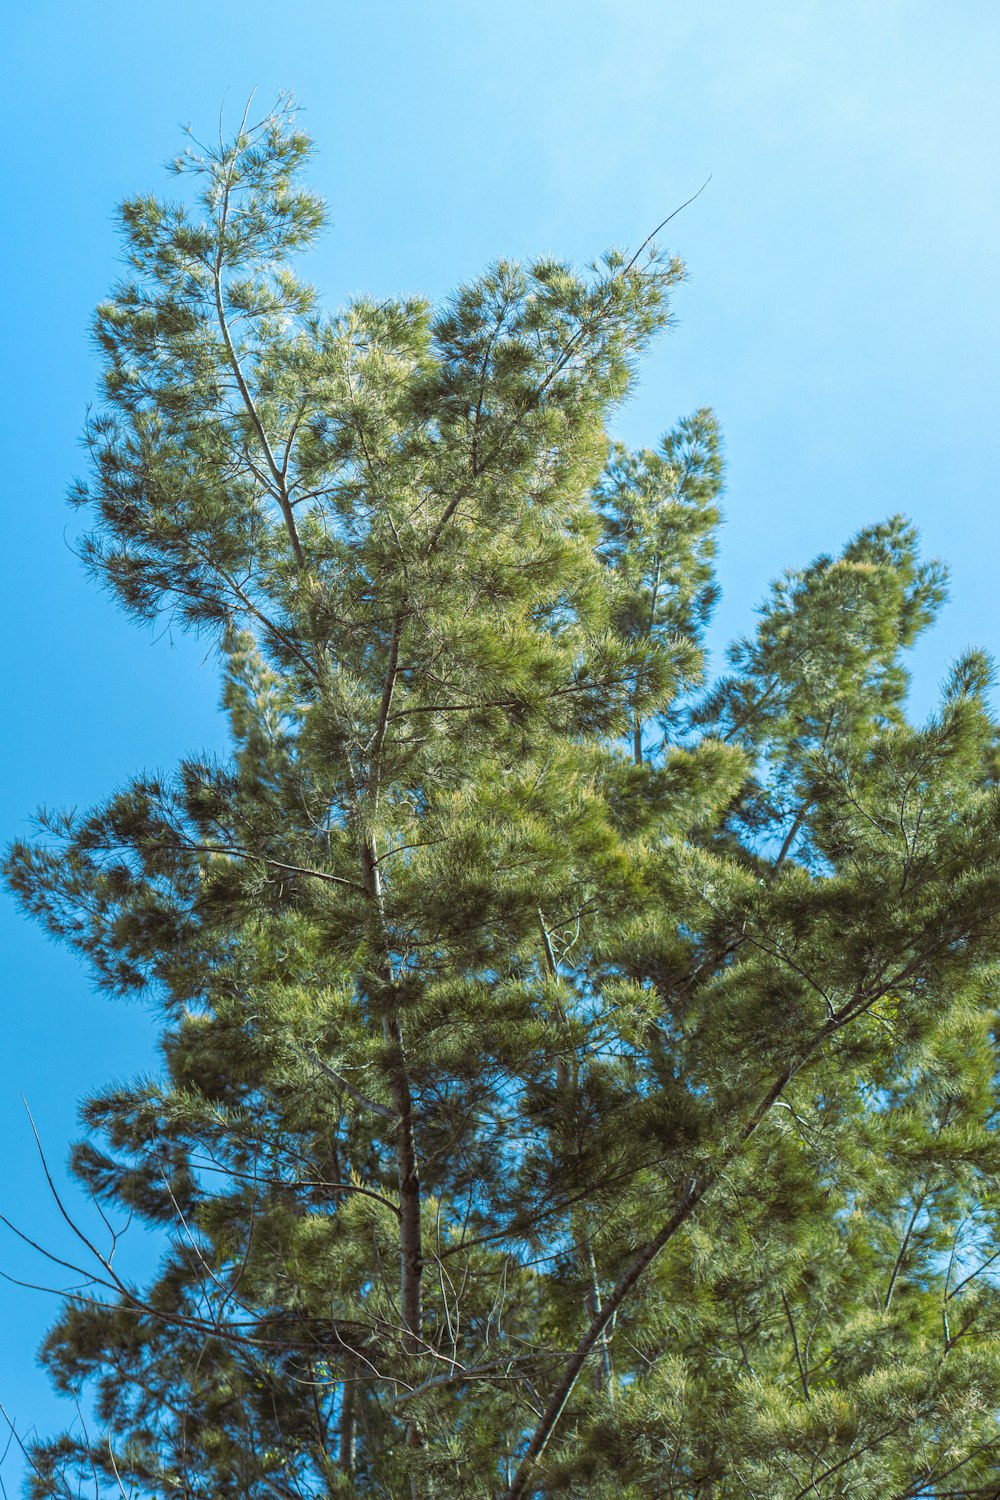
(577, 1080)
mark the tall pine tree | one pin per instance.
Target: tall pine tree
(577, 1080)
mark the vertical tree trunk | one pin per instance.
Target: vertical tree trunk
(346, 1449)
(407, 1172)
(408, 1179)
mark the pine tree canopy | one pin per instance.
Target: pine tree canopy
(579, 1076)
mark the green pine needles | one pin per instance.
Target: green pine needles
(578, 1080)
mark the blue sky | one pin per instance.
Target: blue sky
(841, 316)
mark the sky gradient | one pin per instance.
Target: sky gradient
(841, 316)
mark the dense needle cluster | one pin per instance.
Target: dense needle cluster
(579, 1079)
